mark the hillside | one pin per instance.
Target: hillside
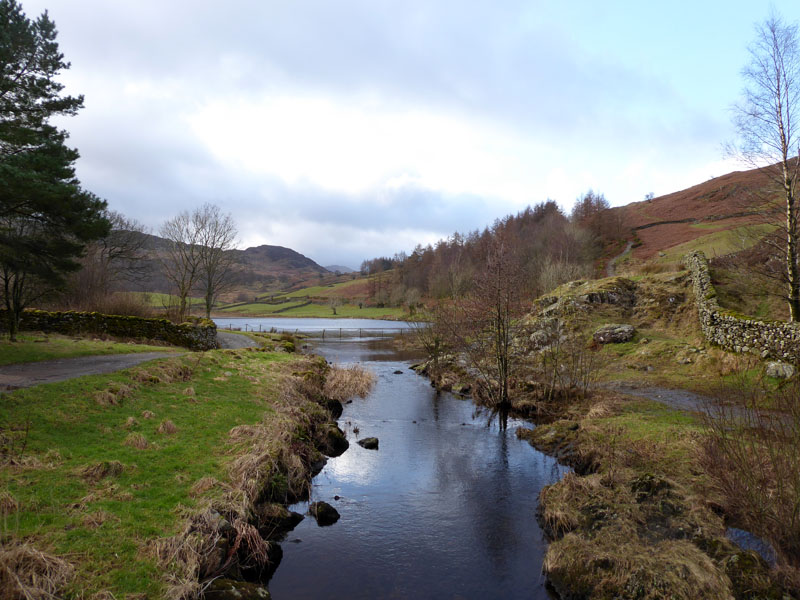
(715, 213)
(261, 269)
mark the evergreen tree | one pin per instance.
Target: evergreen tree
(46, 218)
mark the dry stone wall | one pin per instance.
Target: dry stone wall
(201, 335)
(769, 339)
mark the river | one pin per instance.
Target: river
(444, 509)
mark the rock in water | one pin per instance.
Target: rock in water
(324, 513)
(780, 370)
(614, 334)
(370, 443)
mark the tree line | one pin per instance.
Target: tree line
(551, 247)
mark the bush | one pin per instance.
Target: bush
(751, 452)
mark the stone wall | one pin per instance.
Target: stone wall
(201, 335)
(769, 339)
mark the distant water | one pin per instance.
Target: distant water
(446, 508)
(300, 324)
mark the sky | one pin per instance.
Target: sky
(351, 129)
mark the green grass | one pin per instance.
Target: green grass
(159, 300)
(323, 291)
(318, 310)
(64, 429)
(719, 243)
(33, 347)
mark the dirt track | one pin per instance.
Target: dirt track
(61, 369)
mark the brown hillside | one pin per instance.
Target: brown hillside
(719, 204)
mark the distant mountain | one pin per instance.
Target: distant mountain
(277, 258)
(340, 268)
(260, 269)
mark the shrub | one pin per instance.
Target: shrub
(751, 452)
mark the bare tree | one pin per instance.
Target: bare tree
(485, 324)
(216, 237)
(765, 123)
(180, 259)
(117, 257)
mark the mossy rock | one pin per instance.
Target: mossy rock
(324, 513)
(370, 443)
(331, 441)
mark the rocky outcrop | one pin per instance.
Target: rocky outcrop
(737, 333)
(614, 334)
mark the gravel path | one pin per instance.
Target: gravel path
(611, 269)
(235, 340)
(61, 369)
(683, 400)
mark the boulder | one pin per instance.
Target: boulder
(779, 370)
(331, 441)
(324, 513)
(370, 443)
(614, 334)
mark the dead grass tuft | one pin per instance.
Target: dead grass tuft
(101, 470)
(344, 383)
(136, 440)
(130, 423)
(167, 427)
(202, 485)
(105, 398)
(26, 573)
(8, 504)
(619, 565)
(189, 391)
(147, 414)
(97, 518)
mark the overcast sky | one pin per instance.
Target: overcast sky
(348, 129)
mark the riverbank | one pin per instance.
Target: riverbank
(638, 517)
(146, 482)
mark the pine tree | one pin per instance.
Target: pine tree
(46, 218)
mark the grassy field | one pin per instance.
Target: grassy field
(97, 469)
(34, 347)
(316, 310)
(717, 243)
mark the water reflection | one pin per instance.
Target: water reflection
(445, 508)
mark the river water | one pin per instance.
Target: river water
(444, 509)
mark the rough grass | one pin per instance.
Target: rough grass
(35, 347)
(26, 573)
(634, 519)
(72, 487)
(343, 383)
(350, 311)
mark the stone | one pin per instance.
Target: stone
(324, 513)
(370, 443)
(614, 334)
(331, 441)
(779, 370)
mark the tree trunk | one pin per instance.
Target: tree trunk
(791, 247)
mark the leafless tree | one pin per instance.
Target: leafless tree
(485, 324)
(180, 259)
(765, 123)
(216, 237)
(119, 256)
